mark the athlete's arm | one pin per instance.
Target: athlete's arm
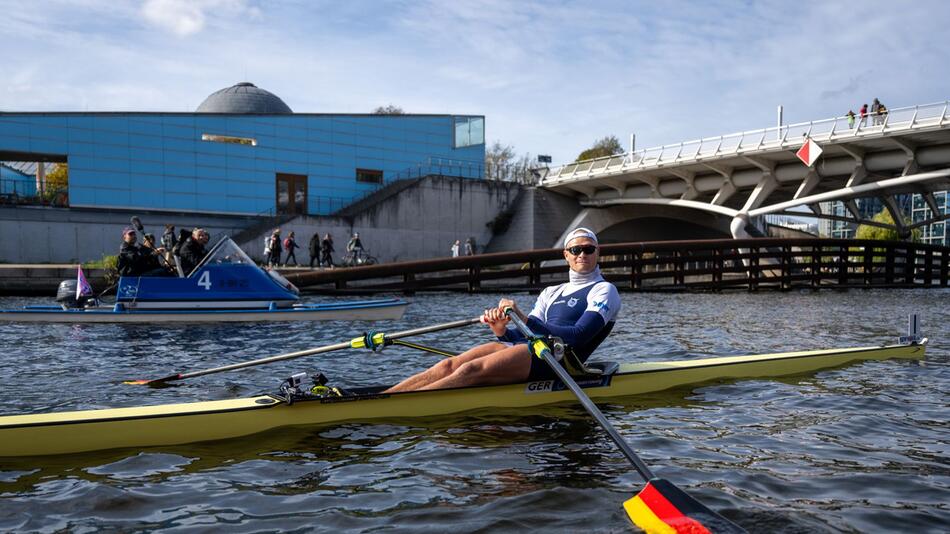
(576, 335)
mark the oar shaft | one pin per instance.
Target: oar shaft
(585, 401)
(270, 359)
(320, 350)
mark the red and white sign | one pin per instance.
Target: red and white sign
(809, 152)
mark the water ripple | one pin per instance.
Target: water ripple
(864, 448)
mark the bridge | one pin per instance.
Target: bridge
(731, 180)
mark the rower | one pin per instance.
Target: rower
(580, 312)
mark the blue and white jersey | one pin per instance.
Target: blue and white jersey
(582, 313)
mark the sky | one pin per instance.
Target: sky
(550, 77)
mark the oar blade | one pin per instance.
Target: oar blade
(662, 508)
(154, 382)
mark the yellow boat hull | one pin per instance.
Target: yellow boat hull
(171, 424)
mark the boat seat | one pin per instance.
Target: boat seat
(577, 368)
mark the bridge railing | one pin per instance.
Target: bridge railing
(718, 264)
(786, 136)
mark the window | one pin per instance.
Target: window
(469, 131)
(369, 176)
(229, 139)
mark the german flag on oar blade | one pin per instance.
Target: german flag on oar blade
(662, 508)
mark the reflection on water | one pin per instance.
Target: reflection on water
(860, 449)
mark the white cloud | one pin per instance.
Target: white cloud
(187, 17)
(182, 17)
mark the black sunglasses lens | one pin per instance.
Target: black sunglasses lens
(586, 249)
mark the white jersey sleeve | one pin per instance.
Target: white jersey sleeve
(604, 299)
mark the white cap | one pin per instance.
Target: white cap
(580, 232)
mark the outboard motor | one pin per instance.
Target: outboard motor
(66, 295)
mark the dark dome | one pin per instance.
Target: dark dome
(244, 97)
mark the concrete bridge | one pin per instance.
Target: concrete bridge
(729, 181)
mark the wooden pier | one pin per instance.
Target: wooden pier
(702, 265)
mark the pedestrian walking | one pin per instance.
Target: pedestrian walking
(864, 116)
(850, 119)
(326, 247)
(272, 249)
(875, 110)
(455, 248)
(314, 249)
(470, 247)
(290, 243)
(882, 112)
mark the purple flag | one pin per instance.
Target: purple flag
(82, 286)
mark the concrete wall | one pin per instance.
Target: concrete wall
(539, 218)
(420, 222)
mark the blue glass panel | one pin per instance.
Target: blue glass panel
(180, 201)
(112, 197)
(146, 127)
(175, 184)
(79, 195)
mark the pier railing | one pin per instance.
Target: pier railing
(711, 265)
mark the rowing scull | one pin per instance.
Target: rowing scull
(171, 424)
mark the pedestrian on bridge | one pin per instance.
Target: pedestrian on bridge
(850, 116)
(864, 116)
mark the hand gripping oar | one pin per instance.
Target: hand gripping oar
(660, 506)
(371, 340)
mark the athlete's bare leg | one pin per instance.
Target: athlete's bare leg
(507, 366)
(445, 368)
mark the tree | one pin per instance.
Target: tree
(390, 109)
(865, 231)
(608, 146)
(504, 165)
(56, 188)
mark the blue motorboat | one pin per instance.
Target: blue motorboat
(226, 286)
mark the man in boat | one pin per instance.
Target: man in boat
(192, 251)
(581, 312)
(153, 258)
(131, 256)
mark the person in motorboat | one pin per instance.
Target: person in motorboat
(192, 251)
(153, 258)
(580, 312)
(130, 260)
(168, 242)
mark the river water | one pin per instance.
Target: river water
(865, 448)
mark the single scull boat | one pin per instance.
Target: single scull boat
(171, 424)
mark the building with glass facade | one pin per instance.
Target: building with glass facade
(913, 206)
(243, 152)
(936, 233)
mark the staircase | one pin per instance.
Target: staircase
(538, 218)
(269, 220)
(387, 191)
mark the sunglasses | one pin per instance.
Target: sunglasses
(586, 249)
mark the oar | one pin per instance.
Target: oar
(660, 506)
(370, 340)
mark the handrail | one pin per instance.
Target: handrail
(759, 247)
(785, 136)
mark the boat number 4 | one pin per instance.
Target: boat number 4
(205, 280)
